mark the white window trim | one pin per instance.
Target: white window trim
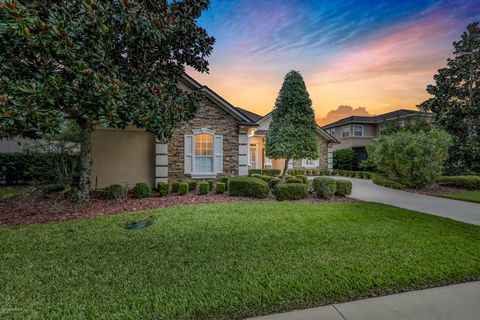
(342, 131)
(361, 126)
(216, 154)
(315, 164)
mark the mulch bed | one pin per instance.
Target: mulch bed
(52, 208)
(436, 190)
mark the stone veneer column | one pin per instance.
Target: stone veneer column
(243, 154)
(161, 162)
(330, 158)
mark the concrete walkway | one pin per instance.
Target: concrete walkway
(459, 301)
(463, 211)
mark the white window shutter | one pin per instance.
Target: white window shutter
(218, 152)
(188, 151)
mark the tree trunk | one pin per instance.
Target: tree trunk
(85, 165)
(285, 168)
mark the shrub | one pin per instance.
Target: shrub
(359, 174)
(211, 184)
(343, 188)
(274, 182)
(113, 192)
(368, 165)
(183, 188)
(414, 159)
(335, 172)
(344, 159)
(224, 180)
(290, 191)
(303, 178)
(141, 190)
(174, 188)
(366, 175)
(220, 187)
(300, 171)
(324, 187)
(384, 181)
(464, 182)
(248, 187)
(268, 172)
(203, 188)
(316, 172)
(164, 188)
(192, 185)
(294, 180)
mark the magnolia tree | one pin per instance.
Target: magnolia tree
(97, 63)
(292, 132)
(456, 101)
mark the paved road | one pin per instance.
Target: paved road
(464, 211)
(459, 301)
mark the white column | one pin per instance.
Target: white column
(161, 162)
(330, 158)
(243, 154)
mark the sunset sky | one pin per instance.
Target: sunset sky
(375, 56)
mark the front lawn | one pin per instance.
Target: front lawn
(471, 196)
(223, 261)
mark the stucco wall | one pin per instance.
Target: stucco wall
(123, 157)
(212, 117)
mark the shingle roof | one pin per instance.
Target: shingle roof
(252, 116)
(374, 119)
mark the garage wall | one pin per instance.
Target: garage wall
(122, 157)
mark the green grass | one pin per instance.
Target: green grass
(228, 261)
(471, 196)
(6, 193)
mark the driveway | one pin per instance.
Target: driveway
(463, 211)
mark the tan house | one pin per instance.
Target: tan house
(220, 140)
(357, 131)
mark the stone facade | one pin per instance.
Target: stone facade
(209, 116)
(323, 154)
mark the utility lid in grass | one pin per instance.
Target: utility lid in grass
(140, 224)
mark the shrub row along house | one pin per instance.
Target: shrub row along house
(220, 140)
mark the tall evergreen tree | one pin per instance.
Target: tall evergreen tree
(456, 101)
(98, 63)
(292, 132)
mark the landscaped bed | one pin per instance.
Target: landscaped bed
(224, 261)
(470, 196)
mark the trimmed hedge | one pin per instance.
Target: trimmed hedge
(303, 178)
(175, 185)
(464, 182)
(141, 190)
(294, 180)
(192, 185)
(263, 177)
(248, 187)
(291, 191)
(324, 187)
(343, 188)
(384, 181)
(267, 172)
(203, 188)
(225, 180)
(113, 192)
(274, 182)
(211, 184)
(164, 188)
(183, 188)
(220, 187)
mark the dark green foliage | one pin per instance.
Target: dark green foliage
(368, 165)
(224, 180)
(265, 178)
(335, 172)
(69, 194)
(359, 174)
(211, 184)
(220, 187)
(293, 180)
(141, 190)
(456, 103)
(113, 192)
(183, 188)
(303, 178)
(309, 172)
(175, 185)
(343, 188)
(384, 181)
(164, 188)
(324, 187)
(463, 182)
(274, 182)
(293, 132)
(290, 191)
(268, 172)
(203, 188)
(367, 175)
(414, 159)
(248, 187)
(344, 159)
(192, 185)
(108, 63)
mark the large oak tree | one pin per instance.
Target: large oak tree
(112, 63)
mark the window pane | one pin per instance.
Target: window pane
(357, 131)
(204, 164)
(203, 145)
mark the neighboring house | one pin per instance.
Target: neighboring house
(357, 131)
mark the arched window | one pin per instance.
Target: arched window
(203, 153)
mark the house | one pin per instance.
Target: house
(357, 131)
(221, 140)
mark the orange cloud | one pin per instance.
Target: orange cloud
(341, 112)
